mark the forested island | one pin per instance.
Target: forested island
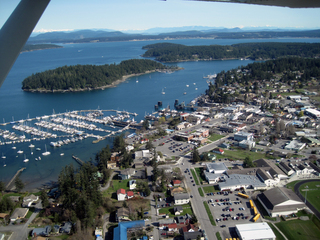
(89, 77)
(281, 73)
(170, 52)
(33, 47)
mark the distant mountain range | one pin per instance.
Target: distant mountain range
(100, 35)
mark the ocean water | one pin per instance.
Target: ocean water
(138, 94)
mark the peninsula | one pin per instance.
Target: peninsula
(89, 77)
(170, 52)
(34, 47)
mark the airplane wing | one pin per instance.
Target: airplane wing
(278, 3)
(16, 31)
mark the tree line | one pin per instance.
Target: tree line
(87, 76)
(170, 52)
(32, 47)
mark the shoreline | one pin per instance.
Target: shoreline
(113, 84)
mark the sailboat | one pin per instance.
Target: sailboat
(3, 156)
(46, 152)
(163, 92)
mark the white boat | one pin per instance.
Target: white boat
(3, 156)
(187, 85)
(38, 149)
(36, 159)
(196, 88)
(25, 159)
(31, 146)
(39, 158)
(46, 153)
(14, 147)
(20, 152)
(61, 154)
(184, 93)
(4, 165)
(163, 92)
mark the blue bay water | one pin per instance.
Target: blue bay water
(138, 94)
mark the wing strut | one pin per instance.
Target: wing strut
(16, 31)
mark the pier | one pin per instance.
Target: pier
(78, 160)
(14, 177)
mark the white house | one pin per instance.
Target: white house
(181, 198)
(121, 194)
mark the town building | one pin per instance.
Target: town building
(239, 136)
(255, 231)
(280, 201)
(216, 168)
(120, 232)
(181, 198)
(295, 146)
(28, 200)
(237, 181)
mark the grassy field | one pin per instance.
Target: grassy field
(218, 236)
(312, 193)
(209, 213)
(241, 154)
(195, 177)
(214, 137)
(291, 184)
(200, 192)
(209, 189)
(276, 232)
(169, 210)
(299, 230)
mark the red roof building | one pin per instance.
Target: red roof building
(130, 194)
(176, 182)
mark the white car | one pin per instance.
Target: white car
(213, 204)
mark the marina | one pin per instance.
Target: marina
(69, 127)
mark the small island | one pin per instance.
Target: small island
(34, 47)
(170, 52)
(90, 77)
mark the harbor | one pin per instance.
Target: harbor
(69, 127)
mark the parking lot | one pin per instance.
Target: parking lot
(228, 210)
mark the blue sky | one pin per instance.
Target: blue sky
(146, 14)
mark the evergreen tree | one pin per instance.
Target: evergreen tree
(19, 184)
(195, 155)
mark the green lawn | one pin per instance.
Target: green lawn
(313, 193)
(31, 210)
(209, 213)
(195, 177)
(200, 192)
(209, 189)
(214, 137)
(299, 230)
(241, 154)
(116, 185)
(199, 171)
(169, 210)
(276, 232)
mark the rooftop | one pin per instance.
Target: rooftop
(255, 231)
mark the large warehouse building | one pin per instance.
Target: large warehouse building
(255, 231)
(280, 201)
